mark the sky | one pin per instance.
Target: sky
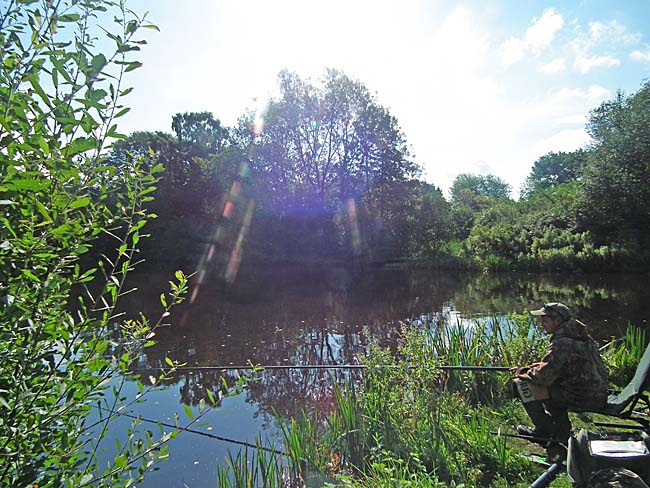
(485, 86)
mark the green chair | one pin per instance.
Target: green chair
(624, 404)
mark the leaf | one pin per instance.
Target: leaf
(163, 300)
(85, 479)
(80, 145)
(30, 185)
(122, 112)
(69, 17)
(80, 202)
(31, 275)
(96, 95)
(131, 26)
(188, 412)
(43, 211)
(169, 362)
(120, 462)
(133, 65)
(97, 64)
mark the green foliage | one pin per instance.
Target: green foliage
(190, 194)
(615, 203)
(554, 169)
(413, 220)
(475, 190)
(623, 356)
(409, 423)
(202, 129)
(61, 341)
(315, 153)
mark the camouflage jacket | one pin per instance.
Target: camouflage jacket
(572, 362)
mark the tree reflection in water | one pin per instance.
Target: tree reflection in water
(275, 317)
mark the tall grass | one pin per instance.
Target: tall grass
(265, 466)
(411, 424)
(623, 356)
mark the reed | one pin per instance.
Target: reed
(413, 424)
(251, 469)
(623, 356)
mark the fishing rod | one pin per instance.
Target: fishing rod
(194, 431)
(311, 366)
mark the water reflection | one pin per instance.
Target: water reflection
(280, 316)
(277, 316)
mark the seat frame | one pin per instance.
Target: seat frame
(624, 404)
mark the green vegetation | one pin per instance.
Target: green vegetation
(408, 423)
(326, 169)
(64, 346)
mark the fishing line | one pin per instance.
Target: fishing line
(193, 431)
(312, 366)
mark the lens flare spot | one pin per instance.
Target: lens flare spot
(228, 209)
(195, 293)
(235, 189)
(355, 234)
(258, 123)
(235, 257)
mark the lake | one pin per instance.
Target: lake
(288, 316)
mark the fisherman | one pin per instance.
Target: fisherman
(571, 375)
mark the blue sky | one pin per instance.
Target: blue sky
(477, 86)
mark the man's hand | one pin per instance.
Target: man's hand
(521, 371)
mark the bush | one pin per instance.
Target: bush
(59, 340)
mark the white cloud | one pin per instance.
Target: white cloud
(585, 64)
(612, 32)
(512, 51)
(601, 46)
(537, 39)
(554, 67)
(566, 140)
(595, 93)
(642, 56)
(574, 119)
(540, 35)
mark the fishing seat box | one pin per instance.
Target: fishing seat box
(590, 452)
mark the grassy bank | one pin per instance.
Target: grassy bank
(409, 423)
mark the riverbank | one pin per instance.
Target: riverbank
(407, 423)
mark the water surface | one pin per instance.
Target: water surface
(277, 315)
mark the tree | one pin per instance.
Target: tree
(200, 128)
(319, 147)
(471, 194)
(199, 168)
(615, 202)
(555, 168)
(472, 190)
(323, 144)
(404, 218)
(59, 98)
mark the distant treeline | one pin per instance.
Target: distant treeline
(324, 174)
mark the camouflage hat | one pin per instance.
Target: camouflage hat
(554, 310)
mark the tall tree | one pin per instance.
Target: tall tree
(322, 144)
(555, 168)
(616, 186)
(200, 128)
(471, 189)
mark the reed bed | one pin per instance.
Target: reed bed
(415, 425)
